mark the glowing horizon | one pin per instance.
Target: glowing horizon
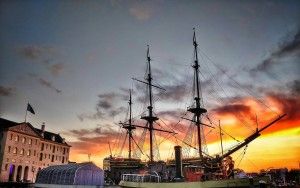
(73, 61)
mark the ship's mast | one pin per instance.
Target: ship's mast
(150, 118)
(129, 127)
(197, 110)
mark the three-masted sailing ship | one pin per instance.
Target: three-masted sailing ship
(201, 171)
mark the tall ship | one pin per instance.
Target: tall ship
(113, 166)
(202, 170)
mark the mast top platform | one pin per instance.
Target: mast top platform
(150, 118)
(128, 126)
(197, 110)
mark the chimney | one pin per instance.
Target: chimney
(43, 129)
(178, 163)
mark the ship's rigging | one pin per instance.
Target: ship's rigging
(200, 119)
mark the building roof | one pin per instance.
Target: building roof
(48, 136)
(5, 124)
(72, 174)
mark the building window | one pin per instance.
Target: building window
(9, 148)
(35, 141)
(23, 140)
(17, 138)
(34, 152)
(11, 136)
(6, 167)
(29, 141)
(46, 146)
(22, 152)
(28, 153)
(41, 156)
(63, 159)
(52, 160)
(15, 150)
(42, 146)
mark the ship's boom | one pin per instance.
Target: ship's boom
(251, 138)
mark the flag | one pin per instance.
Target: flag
(30, 109)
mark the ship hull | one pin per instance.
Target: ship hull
(205, 184)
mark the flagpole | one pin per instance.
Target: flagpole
(26, 111)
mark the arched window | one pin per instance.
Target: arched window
(17, 138)
(11, 136)
(22, 152)
(41, 156)
(15, 150)
(9, 148)
(28, 153)
(23, 140)
(29, 141)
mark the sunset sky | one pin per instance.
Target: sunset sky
(74, 60)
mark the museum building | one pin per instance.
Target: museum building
(24, 150)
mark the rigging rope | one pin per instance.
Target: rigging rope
(243, 154)
(247, 90)
(121, 150)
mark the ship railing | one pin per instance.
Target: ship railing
(141, 178)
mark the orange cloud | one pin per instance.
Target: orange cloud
(277, 147)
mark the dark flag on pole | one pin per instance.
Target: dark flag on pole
(30, 109)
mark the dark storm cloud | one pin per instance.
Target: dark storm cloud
(286, 49)
(288, 104)
(88, 138)
(91, 116)
(176, 114)
(104, 104)
(35, 52)
(6, 91)
(56, 68)
(99, 130)
(116, 111)
(45, 83)
(107, 106)
(233, 108)
(174, 84)
(286, 99)
(173, 92)
(294, 87)
(44, 55)
(48, 84)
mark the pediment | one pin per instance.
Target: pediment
(24, 128)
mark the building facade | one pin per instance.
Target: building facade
(24, 150)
